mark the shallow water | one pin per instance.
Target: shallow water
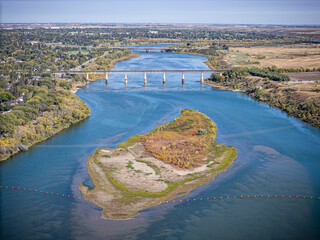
(277, 155)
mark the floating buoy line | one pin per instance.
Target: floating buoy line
(174, 202)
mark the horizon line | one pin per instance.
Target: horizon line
(154, 23)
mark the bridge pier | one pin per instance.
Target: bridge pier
(164, 78)
(125, 79)
(145, 79)
(201, 77)
(182, 78)
(107, 77)
(87, 76)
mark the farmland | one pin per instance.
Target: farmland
(281, 57)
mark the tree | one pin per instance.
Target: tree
(14, 90)
(6, 96)
(3, 84)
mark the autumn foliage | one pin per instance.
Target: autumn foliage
(179, 143)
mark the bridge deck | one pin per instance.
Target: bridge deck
(140, 71)
(140, 48)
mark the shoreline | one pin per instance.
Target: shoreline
(41, 140)
(207, 62)
(266, 98)
(130, 210)
(15, 143)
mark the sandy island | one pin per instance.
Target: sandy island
(155, 167)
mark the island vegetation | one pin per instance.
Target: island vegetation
(166, 163)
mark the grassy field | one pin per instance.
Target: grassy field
(84, 52)
(275, 56)
(237, 58)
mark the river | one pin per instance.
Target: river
(278, 155)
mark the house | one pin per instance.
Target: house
(19, 99)
(16, 101)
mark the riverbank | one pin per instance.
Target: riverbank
(131, 55)
(69, 111)
(208, 63)
(297, 99)
(156, 167)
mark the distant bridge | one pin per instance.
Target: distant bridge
(147, 49)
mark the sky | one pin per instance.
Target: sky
(161, 11)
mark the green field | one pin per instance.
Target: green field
(84, 52)
(238, 59)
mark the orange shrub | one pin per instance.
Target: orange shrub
(178, 142)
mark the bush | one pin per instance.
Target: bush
(5, 107)
(272, 75)
(202, 131)
(239, 73)
(6, 96)
(65, 85)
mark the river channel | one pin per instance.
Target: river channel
(278, 155)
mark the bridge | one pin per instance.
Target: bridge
(137, 71)
(161, 71)
(147, 49)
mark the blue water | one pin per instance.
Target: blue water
(277, 155)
